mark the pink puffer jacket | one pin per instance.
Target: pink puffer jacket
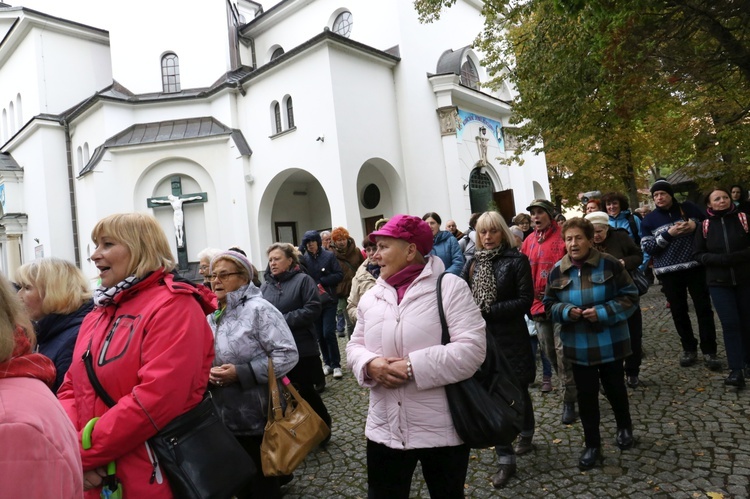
(416, 415)
(39, 454)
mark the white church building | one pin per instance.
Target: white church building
(308, 114)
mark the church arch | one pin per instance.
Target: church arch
(539, 191)
(377, 176)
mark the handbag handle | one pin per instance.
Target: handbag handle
(446, 338)
(275, 411)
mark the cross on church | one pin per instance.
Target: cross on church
(176, 200)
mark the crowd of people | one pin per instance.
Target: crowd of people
(156, 343)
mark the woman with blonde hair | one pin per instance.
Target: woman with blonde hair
(148, 345)
(57, 298)
(38, 439)
(500, 280)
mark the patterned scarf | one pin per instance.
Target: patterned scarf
(104, 296)
(24, 364)
(484, 287)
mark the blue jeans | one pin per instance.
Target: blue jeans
(732, 304)
(329, 343)
(546, 365)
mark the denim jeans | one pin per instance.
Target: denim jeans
(329, 343)
(546, 364)
(732, 304)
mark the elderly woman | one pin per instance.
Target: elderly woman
(295, 294)
(593, 205)
(57, 298)
(722, 245)
(37, 437)
(396, 351)
(248, 330)
(592, 295)
(500, 279)
(444, 245)
(523, 222)
(364, 279)
(204, 263)
(618, 243)
(151, 350)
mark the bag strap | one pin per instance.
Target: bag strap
(446, 338)
(98, 388)
(634, 228)
(275, 412)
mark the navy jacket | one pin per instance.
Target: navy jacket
(670, 253)
(322, 266)
(56, 336)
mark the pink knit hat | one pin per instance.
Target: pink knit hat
(407, 228)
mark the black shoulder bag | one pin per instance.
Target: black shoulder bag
(199, 455)
(488, 408)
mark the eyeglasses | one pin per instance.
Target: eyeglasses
(203, 267)
(223, 276)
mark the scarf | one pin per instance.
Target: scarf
(105, 296)
(484, 288)
(24, 364)
(373, 269)
(402, 279)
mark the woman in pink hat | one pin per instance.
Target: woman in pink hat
(396, 352)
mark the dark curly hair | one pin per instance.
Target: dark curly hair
(616, 196)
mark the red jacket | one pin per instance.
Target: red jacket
(542, 257)
(152, 350)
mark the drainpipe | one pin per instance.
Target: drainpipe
(71, 189)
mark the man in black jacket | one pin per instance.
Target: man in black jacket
(322, 266)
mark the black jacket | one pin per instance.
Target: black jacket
(506, 321)
(56, 336)
(295, 294)
(725, 251)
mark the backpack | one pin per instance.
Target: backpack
(743, 220)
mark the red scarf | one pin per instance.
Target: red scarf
(402, 279)
(25, 364)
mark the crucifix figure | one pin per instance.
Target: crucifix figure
(176, 200)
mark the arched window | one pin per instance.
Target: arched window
(79, 152)
(170, 73)
(277, 117)
(5, 125)
(289, 112)
(469, 74)
(342, 25)
(85, 152)
(277, 53)
(12, 118)
(19, 110)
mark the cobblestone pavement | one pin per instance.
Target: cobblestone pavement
(693, 437)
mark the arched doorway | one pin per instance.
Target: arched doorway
(480, 190)
(375, 195)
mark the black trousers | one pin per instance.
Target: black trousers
(676, 286)
(261, 487)
(304, 376)
(587, 380)
(389, 471)
(635, 325)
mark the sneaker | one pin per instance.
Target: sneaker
(633, 380)
(341, 333)
(337, 374)
(688, 359)
(327, 370)
(712, 361)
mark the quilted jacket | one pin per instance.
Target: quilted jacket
(416, 415)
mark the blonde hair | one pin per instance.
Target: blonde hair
(493, 220)
(12, 315)
(288, 249)
(62, 286)
(144, 238)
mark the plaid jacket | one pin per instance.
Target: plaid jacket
(602, 283)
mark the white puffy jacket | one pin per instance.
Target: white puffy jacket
(416, 415)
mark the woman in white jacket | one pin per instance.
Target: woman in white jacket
(396, 351)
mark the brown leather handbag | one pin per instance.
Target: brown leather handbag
(291, 432)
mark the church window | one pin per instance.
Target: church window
(342, 25)
(5, 125)
(277, 117)
(289, 112)
(170, 73)
(469, 74)
(79, 152)
(12, 117)
(19, 110)
(85, 152)
(277, 53)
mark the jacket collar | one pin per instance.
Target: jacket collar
(593, 260)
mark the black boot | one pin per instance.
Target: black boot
(569, 413)
(624, 438)
(735, 378)
(589, 458)
(504, 473)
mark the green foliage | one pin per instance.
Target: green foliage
(620, 91)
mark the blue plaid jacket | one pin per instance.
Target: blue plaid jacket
(602, 283)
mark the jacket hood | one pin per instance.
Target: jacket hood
(284, 276)
(442, 236)
(312, 235)
(206, 298)
(52, 325)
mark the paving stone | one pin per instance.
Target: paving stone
(692, 436)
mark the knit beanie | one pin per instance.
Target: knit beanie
(237, 258)
(662, 185)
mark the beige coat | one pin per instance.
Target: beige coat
(361, 282)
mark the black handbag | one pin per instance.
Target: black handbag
(488, 408)
(199, 455)
(640, 281)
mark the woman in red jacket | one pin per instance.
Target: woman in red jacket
(151, 348)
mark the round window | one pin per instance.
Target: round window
(371, 197)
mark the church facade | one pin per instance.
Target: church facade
(247, 125)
